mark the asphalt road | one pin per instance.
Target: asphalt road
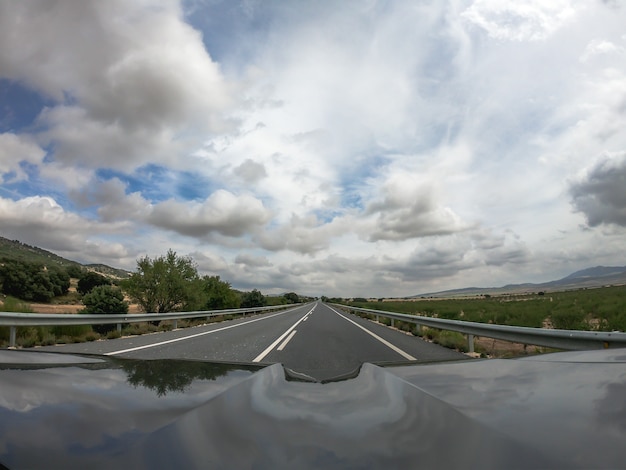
(314, 339)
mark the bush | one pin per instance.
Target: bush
(32, 281)
(452, 340)
(253, 299)
(103, 300)
(90, 280)
(75, 271)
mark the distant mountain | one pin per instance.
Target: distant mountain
(597, 272)
(598, 276)
(16, 250)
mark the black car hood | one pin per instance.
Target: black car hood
(563, 410)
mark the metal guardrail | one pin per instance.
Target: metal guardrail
(15, 319)
(559, 339)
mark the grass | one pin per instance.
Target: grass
(28, 337)
(602, 309)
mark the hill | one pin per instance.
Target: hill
(16, 250)
(597, 276)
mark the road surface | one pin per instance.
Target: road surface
(315, 339)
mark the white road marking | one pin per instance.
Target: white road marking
(385, 342)
(183, 338)
(261, 356)
(284, 343)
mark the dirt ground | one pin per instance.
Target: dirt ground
(499, 348)
(70, 308)
(51, 308)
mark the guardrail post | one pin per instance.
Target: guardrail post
(470, 343)
(12, 337)
(392, 323)
(175, 325)
(119, 328)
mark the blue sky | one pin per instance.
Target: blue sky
(354, 148)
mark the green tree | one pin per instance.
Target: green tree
(90, 280)
(163, 284)
(253, 299)
(292, 297)
(102, 300)
(75, 271)
(32, 281)
(105, 299)
(219, 294)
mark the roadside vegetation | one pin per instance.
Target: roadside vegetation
(601, 309)
(167, 283)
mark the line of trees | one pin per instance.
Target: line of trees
(166, 283)
(171, 283)
(32, 281)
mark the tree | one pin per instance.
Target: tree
(105, 299)
(75, 271)
(292, 297)
(32, 281)
(164, 284)
(90, 280)
(253, 299)
(219, 294)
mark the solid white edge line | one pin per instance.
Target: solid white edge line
(384, 341)
(284, 343)
(183, 338)
(267, 350)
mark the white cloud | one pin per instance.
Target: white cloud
(600, 47)
(387, 147)
(520, 21)
(131, 83)
(253, 261)
(42, 222)
(112, 201)
(15, 150)
(250, 171)
(408, 209)
(222, 212)
(304, 235)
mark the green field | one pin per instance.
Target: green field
(602, 309)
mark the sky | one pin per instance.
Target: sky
(354, 148)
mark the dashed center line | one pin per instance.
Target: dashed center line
(284, 343)
(183, 338)
(261, 356)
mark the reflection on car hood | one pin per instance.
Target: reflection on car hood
(565, 410)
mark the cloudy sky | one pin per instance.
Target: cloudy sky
(361, 147)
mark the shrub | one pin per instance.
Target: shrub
(452, 340)
(253, 298)
(102, 300)
(90, 280)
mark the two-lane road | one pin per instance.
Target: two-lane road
(314, 339)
